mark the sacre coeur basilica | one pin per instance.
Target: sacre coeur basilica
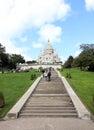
(47, 58)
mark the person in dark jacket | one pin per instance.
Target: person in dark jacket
(49, 76)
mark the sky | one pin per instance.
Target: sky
(26, 26)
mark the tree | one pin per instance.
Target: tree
(4, 60)
(31, 62)
(2, 49)
(68, 63)
(86, 46)
(8, 61)
(3, 57)
(17, 58)
(14, 59)
(88, 56)
(76, 62)
(85, 60)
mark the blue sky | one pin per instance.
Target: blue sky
(26, 26)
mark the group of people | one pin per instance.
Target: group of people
(47, 74)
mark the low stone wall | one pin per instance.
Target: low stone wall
(37, 66)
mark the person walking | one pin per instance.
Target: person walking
(49, 76)
(43, 71)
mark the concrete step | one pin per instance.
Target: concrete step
(49, 99)
(49, 105)
(49, 115)
(48, 111)
(50, 95)
(48, 108)
(50, 102)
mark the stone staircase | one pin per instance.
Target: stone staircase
(49, 99)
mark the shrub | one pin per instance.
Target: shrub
(68, 75)
(33, 76)
(2, 101)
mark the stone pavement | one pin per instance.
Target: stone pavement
(46, 124)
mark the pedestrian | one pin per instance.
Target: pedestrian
(43, 73)
(49, 76)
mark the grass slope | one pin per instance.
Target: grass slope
(83, 84)
(13, 86)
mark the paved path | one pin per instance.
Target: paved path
(47, 124)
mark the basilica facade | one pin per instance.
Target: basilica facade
(48, 56)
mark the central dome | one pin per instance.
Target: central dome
(49, 56)
(48, 47)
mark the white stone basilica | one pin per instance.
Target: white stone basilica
(48, 56)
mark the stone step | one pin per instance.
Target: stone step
(48, 111)
(50, 95)
(50, 102)
(67, 99)
(49, 115)
(49, 105)
(48, 108)
(49, 99)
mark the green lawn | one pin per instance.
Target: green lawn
(83, 84)
(13, 86)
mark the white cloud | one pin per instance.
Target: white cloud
(37, 45)
(23, 39)
(63, 59)
(51, 32)
(47, 11)
(89, 4)
(12, 49)
(77, 53)
(18, 15)
(27, 58)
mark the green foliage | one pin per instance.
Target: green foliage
(86, 46)
(33, 77)
(17, 58)
(85, 60)
(83, 84)
(31, 62)
(68, 75)
(2, 49)
(8, 61)
(68, 63)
